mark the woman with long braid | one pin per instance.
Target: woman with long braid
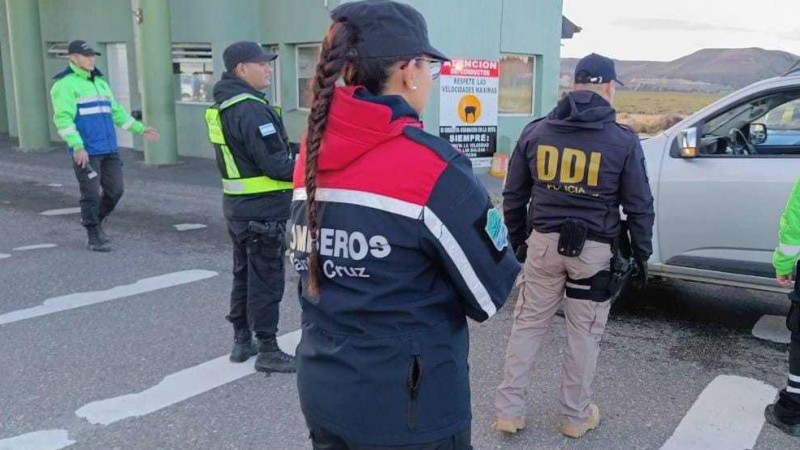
(396, 243)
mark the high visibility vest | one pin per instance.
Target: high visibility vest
(232, 182)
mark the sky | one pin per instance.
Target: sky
(664, 30)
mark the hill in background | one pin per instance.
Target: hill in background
(708, 70)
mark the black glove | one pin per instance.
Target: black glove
(521, 253)
(641, 272)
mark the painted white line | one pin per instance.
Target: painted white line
(61, 212)
(728, 415)
(772, 328)
(189, 226)
(177, 387)
(55, 185)
(39, 440)
(81, 299)
(4, 255)
(35, 247)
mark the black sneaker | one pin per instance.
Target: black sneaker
(95, 243)
(243, 346)
(791, 430)
(272, 359)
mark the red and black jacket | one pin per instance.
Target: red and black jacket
(405, 258)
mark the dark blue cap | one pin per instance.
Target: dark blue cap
(79, 47)
(387, 29)
(245, 52)
(596, 69)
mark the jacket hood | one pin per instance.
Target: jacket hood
(581, 110)
(230, 86)
(357, 123)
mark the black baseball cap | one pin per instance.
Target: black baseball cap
(245, 52)
(79, 47)
(596, 69)
(387, 28)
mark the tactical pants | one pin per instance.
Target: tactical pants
(322, 439)
(258, 277)
(788, 406)
(96, 205)
(545, 279)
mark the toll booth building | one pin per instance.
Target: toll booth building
(505, 69)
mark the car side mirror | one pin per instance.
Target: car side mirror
(688, 143)
(758, 133)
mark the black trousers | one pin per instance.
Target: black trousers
(258, 276)
(100, 194)
(322, 439)
(788, 407)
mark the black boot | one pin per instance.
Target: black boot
(95, 243)
(784, 414)
(272, 359)
(103, 236)
(243, 346)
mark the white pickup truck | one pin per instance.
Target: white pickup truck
(720, 179)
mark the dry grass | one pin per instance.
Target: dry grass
(653, 112)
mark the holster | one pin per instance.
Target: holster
(266, 238)
(793, 318)
(572, 237)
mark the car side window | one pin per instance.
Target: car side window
(764, 126)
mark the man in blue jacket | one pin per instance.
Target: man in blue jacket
(568, 176)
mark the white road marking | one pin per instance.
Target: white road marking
(35, 247)
(38, 440)
(61, 212)
(728, 415)
(55, 185)
(4, 255)
(177, 387)
(772, 328)
(81, 299)
(189, 226)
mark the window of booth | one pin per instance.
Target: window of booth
(307, 57)
(194, 72)
(517, 76)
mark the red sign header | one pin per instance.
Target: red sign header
(471, 68)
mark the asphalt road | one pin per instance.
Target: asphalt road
(65, 365)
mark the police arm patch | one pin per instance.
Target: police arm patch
(496, 229)
(267, 129)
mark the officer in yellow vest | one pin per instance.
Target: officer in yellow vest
(253, 156)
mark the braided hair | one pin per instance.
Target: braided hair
(338, 58)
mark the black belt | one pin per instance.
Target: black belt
(590, 237)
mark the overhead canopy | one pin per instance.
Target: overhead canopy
(568, 29)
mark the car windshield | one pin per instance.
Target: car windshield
(770, 110)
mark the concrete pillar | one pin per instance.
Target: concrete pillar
(151, 27)
(3, 109)
(27, 68)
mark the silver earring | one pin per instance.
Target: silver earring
(413, 88)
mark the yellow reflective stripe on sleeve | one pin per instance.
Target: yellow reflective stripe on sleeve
(789, 250)
(255, 185)
(128, 124)
(230, 164)
(64, 132)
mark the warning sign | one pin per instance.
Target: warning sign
(468, 107)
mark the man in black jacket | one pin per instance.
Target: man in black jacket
(253, 157)
(567, 178)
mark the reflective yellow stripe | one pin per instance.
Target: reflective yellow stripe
(230, 164)
(255, 185)
(240, 98)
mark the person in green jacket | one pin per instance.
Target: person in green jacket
(785, 413)
(85, 113)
